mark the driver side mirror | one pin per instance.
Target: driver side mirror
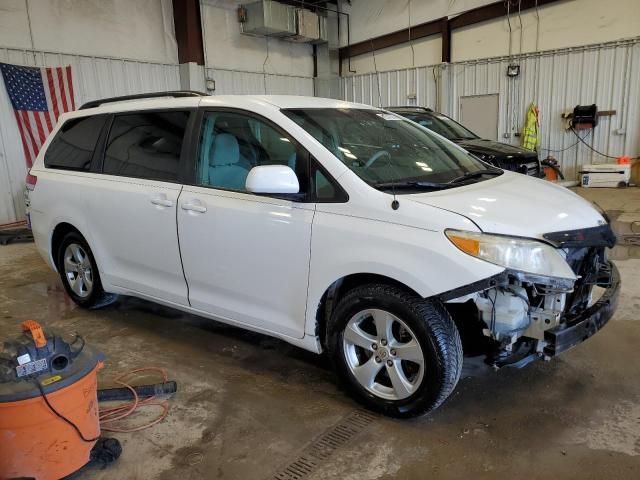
(278, 179)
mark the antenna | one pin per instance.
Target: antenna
(395, 204)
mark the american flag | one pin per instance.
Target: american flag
(39, 95)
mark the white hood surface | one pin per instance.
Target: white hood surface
(515, 204)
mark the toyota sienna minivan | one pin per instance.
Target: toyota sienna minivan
(337, 227)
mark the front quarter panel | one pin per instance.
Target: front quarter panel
(423, 260)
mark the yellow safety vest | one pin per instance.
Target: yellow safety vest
(531, 130)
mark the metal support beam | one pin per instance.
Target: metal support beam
(445, 31)
(443, 26)
(390, 39)
(493, 11)
(188, 26)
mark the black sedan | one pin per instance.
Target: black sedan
(502, 155)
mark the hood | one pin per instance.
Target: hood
(489, 147)
(518, 205)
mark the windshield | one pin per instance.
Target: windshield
(384, 148)
(441, 124)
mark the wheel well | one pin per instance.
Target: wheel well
(58, 234)
(339, 288)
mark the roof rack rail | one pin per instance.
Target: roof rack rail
(415, 107)
(141, 96)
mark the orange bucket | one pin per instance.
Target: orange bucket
(550, 173)
(35, 441)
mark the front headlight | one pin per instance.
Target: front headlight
(521, 254)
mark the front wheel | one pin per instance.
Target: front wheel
(395, 352)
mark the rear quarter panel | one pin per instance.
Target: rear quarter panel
(59, 198)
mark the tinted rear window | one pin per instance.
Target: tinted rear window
(73, 145)
(146, 145)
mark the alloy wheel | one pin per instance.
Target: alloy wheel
(383, 354)
(78, 270)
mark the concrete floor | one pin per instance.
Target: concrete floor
(248, 405)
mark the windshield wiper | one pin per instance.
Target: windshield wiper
(412, 185)
(471, 175)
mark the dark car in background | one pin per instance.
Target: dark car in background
(502, 155)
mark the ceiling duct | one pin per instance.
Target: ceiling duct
(307, 26)
(267, 18)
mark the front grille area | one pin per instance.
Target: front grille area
(587, 264)
(586, 255)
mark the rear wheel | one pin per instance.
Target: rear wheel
(394, 351)
(79, 272)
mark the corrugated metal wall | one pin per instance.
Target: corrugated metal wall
(239, 82)
(604, 74)
(93, 77)
(557, 81)
(392, 87)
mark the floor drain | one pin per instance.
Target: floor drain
(324, 446)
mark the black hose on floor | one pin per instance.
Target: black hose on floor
(110, 394)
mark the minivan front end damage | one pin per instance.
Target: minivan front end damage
(528, 315)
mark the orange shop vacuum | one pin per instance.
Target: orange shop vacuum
(48, 404)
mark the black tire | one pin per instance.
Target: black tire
(97, 297)
(433, 329)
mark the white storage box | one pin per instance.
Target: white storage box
(605, 175)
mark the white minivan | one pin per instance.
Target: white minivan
(334, 226)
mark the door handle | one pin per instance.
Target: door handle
(162, 202)
(194, 207)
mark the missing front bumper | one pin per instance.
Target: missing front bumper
(586, 323)
(565, 332)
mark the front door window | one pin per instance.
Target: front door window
(231, 144)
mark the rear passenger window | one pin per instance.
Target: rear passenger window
(146, 145)
(73, 145)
